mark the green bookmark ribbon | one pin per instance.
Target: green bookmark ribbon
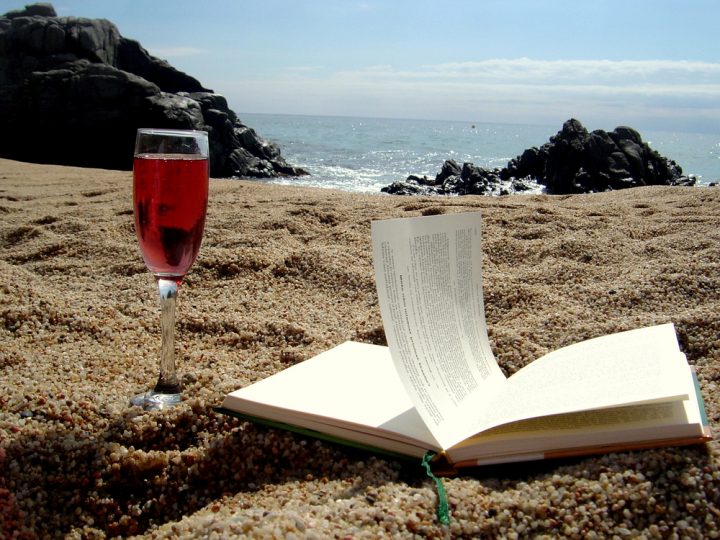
(443, 510)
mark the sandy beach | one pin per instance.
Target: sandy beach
(283, 274)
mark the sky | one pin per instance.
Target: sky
(650, 64)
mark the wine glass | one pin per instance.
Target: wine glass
(170, 193)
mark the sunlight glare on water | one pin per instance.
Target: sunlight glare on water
(366, 154)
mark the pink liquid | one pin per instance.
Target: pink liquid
(170, 194)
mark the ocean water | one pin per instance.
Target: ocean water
(366, 154)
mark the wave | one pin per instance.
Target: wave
(366, 154)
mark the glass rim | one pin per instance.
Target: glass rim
(170, 131)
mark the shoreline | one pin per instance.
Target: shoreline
(283, 274)
(302, 182)
(694, 151)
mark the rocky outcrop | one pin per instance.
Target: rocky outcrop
(576, 161)
(73, 91)
(454, 179)
(572, 161)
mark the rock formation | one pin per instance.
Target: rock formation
(575, 161)
(572, 161)
(73, 91)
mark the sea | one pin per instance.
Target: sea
(366, 154)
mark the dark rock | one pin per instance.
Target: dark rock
(40, 9)
(575, 161)
(73, 91)
(409, 187)
(455, 180)
(690, 180)
(449, 168)
(421, 180)
(472, 174)
(453, 184)
(531, 163)
(572, 161)
(519, 185)
(132, 57)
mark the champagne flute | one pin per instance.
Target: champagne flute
(170, 193)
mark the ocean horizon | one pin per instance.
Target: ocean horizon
(366, 154)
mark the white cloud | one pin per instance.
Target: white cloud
(655, 93)
(552, 73)
(525, 68)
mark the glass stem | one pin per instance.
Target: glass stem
(168, 382)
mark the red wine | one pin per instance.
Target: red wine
(170, 193)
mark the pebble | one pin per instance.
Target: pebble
(79, 335)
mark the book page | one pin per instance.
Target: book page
(577, 430)
(623, 428)
(338, 387)
(428, 272)
(638, 366)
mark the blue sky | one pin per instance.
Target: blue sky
(651, 64)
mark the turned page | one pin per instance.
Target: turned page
(429, 282)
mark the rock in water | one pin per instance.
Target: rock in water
(576, 161)
(73, 91)
(573, 161)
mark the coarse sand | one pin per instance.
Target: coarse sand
(283, 274)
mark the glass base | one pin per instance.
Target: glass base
(153, 401)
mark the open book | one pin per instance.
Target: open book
(437, 386)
